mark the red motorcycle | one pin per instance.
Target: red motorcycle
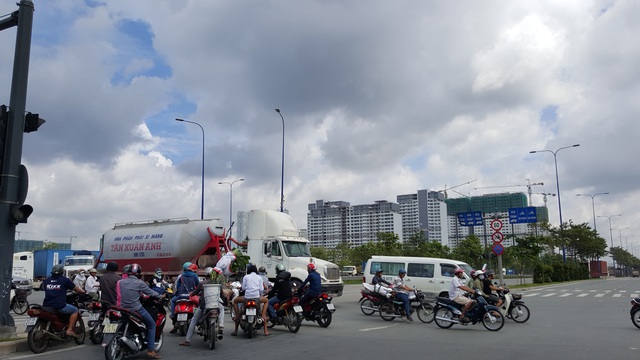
(184, 310)
(371, 298)
(46, 324)
(319, 309)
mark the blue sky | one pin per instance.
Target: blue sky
(378, 100)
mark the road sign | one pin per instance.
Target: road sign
(523, 215)
(496, 224)
(497, 237)
(497, 249)
(470, 218)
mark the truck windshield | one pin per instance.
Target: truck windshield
(78, 262)
(295, 249)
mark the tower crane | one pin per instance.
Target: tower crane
(545, 197)
(528, 185)
(453, 187)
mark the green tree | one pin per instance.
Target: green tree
(48, 245)
(469, 250)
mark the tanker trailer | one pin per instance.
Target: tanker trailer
(165, 244)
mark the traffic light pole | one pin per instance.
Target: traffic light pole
(12, 178)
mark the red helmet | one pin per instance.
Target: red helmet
(458, 271)
(193, 267)
(311, 266)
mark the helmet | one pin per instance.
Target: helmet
(112, 266)
(208, 271)
(193, 267)
(135, 269)
(458, 271)
(57, 269)
(379, 270)
(126, 269)
(490, 273)
(402, 271)
(185, 266)
(478, 272)
(158, 273)
(251, 268)
(92, 270)
(311, 267)
(261, 269)
(280, 268)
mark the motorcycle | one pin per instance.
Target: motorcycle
(184, 310)
(447, 312)
(371, 297)
(125, 332)
(19, 302)
(319, 309)
(250, 319)
(46, 324)
(391, 307)
(81, 301)
(98, 310)
(635, 314)
(513, 307)
(288, 313)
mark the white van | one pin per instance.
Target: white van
(431, 275)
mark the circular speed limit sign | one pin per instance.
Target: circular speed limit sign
(496, 224)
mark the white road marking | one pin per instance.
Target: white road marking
(379, 327)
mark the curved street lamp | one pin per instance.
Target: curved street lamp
(230, 199)
(555, 160)
(593, 207)
(202, 191)
(282, 172)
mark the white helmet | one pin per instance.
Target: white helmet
(478, 272)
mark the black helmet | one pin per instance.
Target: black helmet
(251, 269)
(112, 266)
(490, 273)
(126, 269)
(57, 269)
(280, 268)
(135, 269)
(262, 270)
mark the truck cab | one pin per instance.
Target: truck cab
(73, 263)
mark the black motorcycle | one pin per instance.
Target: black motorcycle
(97, 312)
(391, 307)
(448, 312)
(125, 332)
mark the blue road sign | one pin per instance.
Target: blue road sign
(497, 249)
(523, 215)
(470, 218)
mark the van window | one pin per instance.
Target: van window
(388, 268)
(447, 270)
(420, 270)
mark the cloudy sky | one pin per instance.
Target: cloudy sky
(379, 98)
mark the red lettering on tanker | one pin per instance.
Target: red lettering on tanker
(155, 245)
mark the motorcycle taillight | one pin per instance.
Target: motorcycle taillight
(183, 307)
(114, 314)
(251, 303)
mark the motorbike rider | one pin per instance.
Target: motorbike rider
(129, 299)
(157, 283)
(185, 283)
(402, 292)
(108, 283)
(197, 317)
(55, 296)
(92, 285)
(490, 290)
(478, 276)
(80, 278)
(263, 274)
(253, 288)
(281, 290)
(457, 291)
(315, 285)
(378, 280)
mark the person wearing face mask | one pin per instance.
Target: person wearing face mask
(80, 278)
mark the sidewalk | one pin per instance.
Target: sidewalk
(17, 345)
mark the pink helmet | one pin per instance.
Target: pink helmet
(458, 271)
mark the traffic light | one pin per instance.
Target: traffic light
(21, 211)
(32, 122)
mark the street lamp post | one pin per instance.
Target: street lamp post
(555, 161)
(620, 234)
(230, 199)
(202, 191)
(282, 172)
(593, 207)
(610, 229)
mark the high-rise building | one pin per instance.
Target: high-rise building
(330, 223)
(426, 211)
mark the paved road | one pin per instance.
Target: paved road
(582, 320)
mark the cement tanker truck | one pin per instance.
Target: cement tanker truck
(272, 238)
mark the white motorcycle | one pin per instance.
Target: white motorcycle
(513, 307)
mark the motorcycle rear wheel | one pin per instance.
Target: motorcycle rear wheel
(20, 306)
(250, 330)
(387, 312)
(213, 326)
(443, 312)
(366, 303)
(293, 321)
(113, 351)
(635, 318)
(519, 313)
(324, 317)
(37, 339)
(80, 332)
(425, 313)
(96, 335)
(493, 326)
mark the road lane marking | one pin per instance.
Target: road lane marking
(582, 295)
(549, 294)
(566, 294)
(48, 352)
(533, 294)
(379, 327)
(617, 295)
(599, 295)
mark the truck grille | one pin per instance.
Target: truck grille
(332, 273)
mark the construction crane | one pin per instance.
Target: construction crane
(528, 185)
(545, 197)
(453, 187)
